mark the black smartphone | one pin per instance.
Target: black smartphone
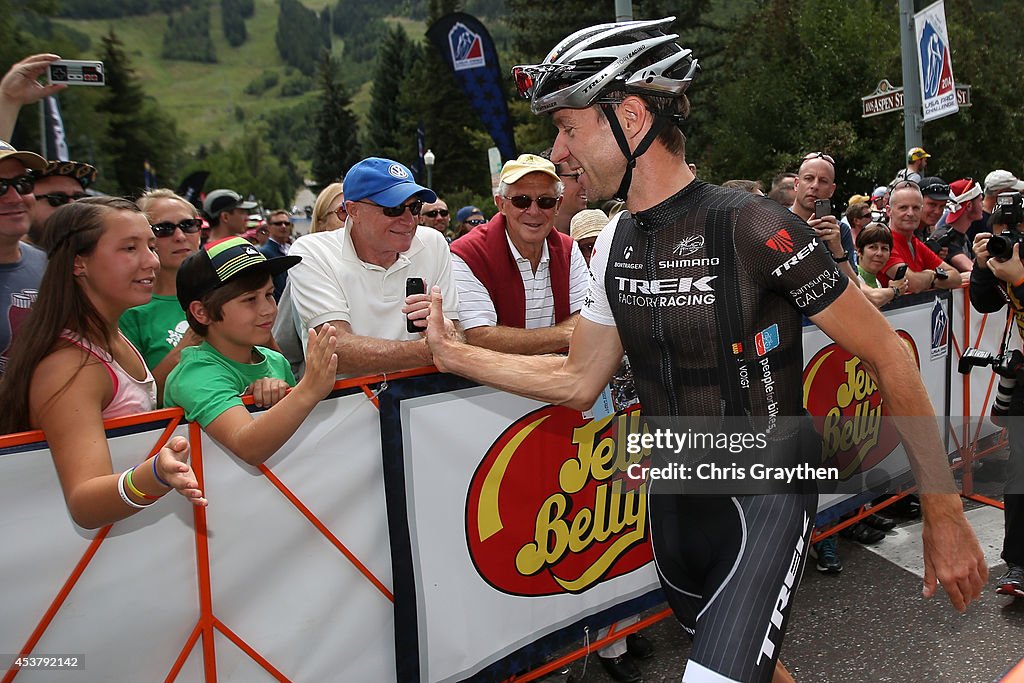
(414, 285)
(901, 272)
(822, 208)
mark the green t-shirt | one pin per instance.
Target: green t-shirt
(206, 383)
(155, 328)
(868, 278)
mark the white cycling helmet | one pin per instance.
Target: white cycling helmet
(629, 56)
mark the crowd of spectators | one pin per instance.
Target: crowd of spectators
(113, 306)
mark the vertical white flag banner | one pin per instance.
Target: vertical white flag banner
(938, 92)
(56, 139)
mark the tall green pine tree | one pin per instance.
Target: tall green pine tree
(337, 145)
(394, 61)
(137, 130)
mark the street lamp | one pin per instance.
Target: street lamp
(428, 159)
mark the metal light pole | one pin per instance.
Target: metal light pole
(428, 159)
(912, 123)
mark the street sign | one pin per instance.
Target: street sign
(888, 98)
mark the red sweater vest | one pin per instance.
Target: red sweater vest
(485, 250)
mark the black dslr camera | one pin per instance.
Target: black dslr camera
(1007, 364)
(1009, 211)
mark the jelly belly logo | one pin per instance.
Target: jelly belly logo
(936, 65)
(467, 48)
(550, 509)
(846, 404)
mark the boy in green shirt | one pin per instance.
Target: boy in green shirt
(227, 293)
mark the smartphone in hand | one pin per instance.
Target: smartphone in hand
(901, 272)
(822, 208)
(414, 285)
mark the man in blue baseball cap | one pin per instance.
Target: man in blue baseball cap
(355, 278)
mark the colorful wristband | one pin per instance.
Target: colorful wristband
(124, 496)
(157, 474)
(135, 489)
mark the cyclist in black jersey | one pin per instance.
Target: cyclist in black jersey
(704, 289)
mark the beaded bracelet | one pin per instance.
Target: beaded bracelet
(124, 496)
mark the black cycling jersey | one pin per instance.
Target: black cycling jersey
(707, 291)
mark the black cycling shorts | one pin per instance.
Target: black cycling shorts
(730, 567)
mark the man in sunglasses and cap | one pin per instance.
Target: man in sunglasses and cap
(521, 282)
(356, 278)
(21, 264)
(60, 183)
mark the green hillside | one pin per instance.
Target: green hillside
(205, 99)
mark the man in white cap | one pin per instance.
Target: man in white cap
(584, 229)
(227, 212)
(21, 264)
(996, 183)
(521, 282)
(355, 278)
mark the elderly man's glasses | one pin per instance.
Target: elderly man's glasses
(189, 226)
(23, 184)
(434, 213)
(522, 201)
(61, 198)
(396, 211)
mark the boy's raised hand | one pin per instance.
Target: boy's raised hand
(321, 361)
(172, 464)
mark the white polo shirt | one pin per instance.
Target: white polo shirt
(332, 283)
(477, 310)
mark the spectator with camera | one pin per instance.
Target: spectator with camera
(998, 278)
(996, 183)
(965, 207)
(814, 185)
(925, 269)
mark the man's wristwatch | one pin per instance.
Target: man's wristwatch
(940, 274)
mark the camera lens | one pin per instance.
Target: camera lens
(999, 247)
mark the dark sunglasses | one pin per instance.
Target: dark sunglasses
(23, 184)
(476, 221)
(522, 201)
(820, 155)
(188, 226)
(61, 198)
(902, 184)
(936, 188)
(282, 224)
(396, 211)
(434, 213)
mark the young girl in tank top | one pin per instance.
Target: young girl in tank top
(72, 368)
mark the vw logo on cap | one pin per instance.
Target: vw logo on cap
(396, 171)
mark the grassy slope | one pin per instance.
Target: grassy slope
(203, 97)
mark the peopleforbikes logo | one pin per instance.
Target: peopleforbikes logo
(551, 509)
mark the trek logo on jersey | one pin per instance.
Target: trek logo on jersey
(683, 291)
(627, 253)
(767, 339)
(550, 508)
(688, 246)
(795, 258)
(781, 242)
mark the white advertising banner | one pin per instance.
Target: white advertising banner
(934, 63)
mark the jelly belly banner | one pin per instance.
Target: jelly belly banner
(514, 508)
(847, 406)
